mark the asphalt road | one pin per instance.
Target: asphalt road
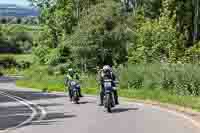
(29, 111)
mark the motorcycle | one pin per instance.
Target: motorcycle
(108, 101)
(75, 92)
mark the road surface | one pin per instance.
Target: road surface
(29, 111)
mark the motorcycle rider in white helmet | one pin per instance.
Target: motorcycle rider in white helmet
(106, 73)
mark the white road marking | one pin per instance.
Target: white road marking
(195, 123)
(181, 115)
(188, 118)
(34, 113)
(28, 104)
(13, 115)
(43, 112)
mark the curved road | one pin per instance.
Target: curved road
(52, 113)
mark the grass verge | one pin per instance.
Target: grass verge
(140, 94)
(17, 57)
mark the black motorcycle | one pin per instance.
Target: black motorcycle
(75, 92)
(109, 101)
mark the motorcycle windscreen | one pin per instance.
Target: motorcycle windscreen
(72, 83)
(78, 86)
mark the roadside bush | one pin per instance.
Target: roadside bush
(62, 68)
(23, 64)
(89, 81)
(7, 61)
(1, 73)
(156, 40)
(192, 55)
(40, 54)
(53, 58)
(179, 79)
(50, 71)
(121, 73)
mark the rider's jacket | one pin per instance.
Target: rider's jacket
(69, 78)
(107, 75)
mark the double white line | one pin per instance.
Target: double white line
(32, 106)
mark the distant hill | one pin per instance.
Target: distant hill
(10, 10)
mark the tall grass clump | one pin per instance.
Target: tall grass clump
(89, 81)
(40, 77)
(179, 79)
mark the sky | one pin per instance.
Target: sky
(17, 2)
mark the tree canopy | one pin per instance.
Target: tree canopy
(88, 33)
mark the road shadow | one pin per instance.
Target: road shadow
(44, 123)
(12, 113)
(86, 102)
(12, 116)
(121, 110)
(51, 118)
(4, 79)
(23, 93)
(50, 105)
(10, 122)
(28, 95)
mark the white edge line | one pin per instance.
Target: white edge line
(34, 113)
(43, 112)
(27, 103)
(195, 123)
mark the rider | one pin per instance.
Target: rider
(106, 73)
(71, 75)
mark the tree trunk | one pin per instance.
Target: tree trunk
(196, 20)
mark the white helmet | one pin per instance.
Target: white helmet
(106, 68)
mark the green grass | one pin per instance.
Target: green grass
(163, 97)
(51, 85)
(18, 57)
(141, 94)
(38, 77)
(179, 79)
(24, 26)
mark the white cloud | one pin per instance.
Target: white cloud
(17, 2)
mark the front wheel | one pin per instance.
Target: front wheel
(76, 97)
(108, 103)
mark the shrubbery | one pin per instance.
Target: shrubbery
(15, 39)
(156, 40)
(1, 73)
(9, 61)
(180, 79)
(103, 34)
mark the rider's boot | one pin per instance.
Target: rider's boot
(116, 97)
(80, 95)
(101, 99)
(70, 95)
